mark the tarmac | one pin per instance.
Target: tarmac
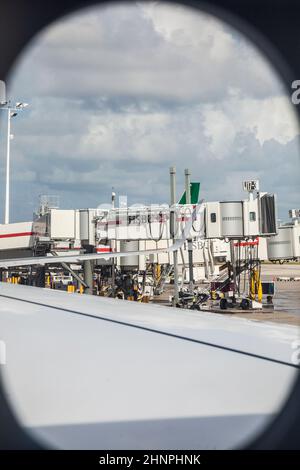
(286, 299)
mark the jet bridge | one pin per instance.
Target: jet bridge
(285, 246)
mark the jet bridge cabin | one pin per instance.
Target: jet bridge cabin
(255, 217)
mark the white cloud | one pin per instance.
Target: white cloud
(220, 130)
(160, 51)
(118, 94)
(268, 118)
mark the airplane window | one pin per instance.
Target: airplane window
(128, 317)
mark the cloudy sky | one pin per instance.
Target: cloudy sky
(119, 94)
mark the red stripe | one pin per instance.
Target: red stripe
(103, 250)
(251, 243)
(20, 234)
(111, 222)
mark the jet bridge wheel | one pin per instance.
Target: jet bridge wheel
(245, 304)
(223, 304)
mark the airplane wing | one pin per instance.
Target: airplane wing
(89, 372)
(42, 260)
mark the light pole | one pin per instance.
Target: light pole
(12, 111)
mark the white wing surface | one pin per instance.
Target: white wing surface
(88, 372)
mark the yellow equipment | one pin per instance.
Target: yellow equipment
(256, 292)
(157, 272)
(71, 288)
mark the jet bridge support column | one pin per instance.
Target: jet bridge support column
(172, 231)
(88, 268)
(233, 264)
(189, 241)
